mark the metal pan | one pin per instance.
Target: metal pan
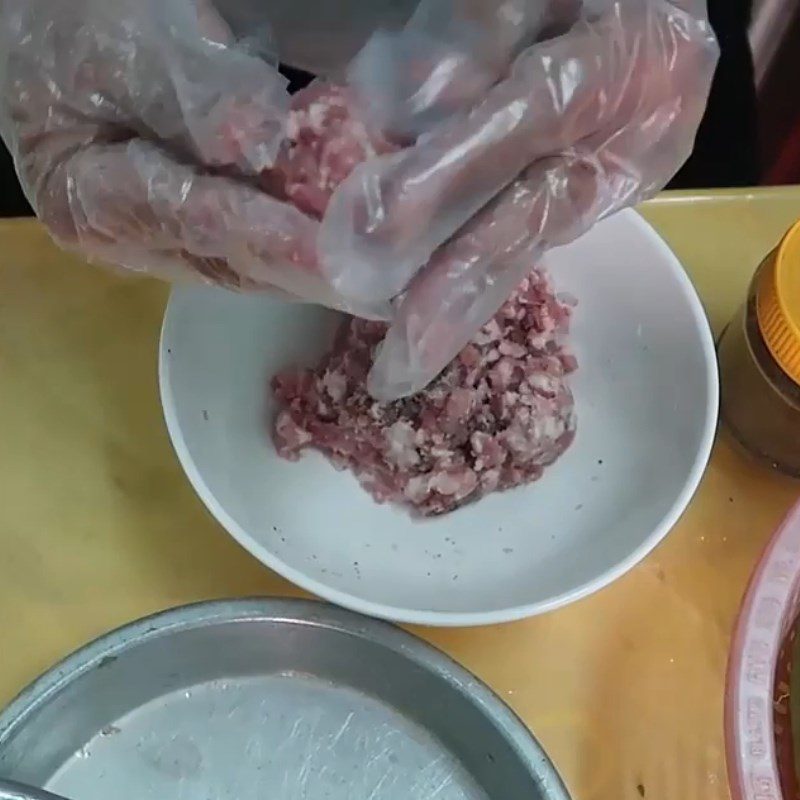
(11, 790)
(279, 699)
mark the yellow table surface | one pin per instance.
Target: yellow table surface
(98, 524)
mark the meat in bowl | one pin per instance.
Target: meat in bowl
(493, 419)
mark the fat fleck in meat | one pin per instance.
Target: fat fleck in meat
(326, 137)
(494, 418)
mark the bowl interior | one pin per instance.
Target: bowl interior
(646, 397)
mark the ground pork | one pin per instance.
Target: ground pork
(326, 137)
(493, 419)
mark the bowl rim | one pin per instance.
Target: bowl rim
(510, 613)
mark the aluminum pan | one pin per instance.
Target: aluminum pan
(289, 699)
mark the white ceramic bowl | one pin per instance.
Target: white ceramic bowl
(646, 395)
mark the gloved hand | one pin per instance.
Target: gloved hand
(138, 127)
(597, 117)
(135, 123)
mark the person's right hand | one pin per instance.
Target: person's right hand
(593, 119)
(135, 126)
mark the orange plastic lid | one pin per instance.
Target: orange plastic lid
(778, 304)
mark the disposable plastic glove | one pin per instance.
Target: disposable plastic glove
(138, 127)
(580, 125)
(133, 124)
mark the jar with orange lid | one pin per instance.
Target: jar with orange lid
(759, 360)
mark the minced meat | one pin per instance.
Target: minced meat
(493, 419)
(326, 137)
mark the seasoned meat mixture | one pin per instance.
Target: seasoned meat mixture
(493, 419)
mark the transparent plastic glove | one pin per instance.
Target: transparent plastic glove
(138, 127)
(636, 62)
(449, 53)
(584, 124)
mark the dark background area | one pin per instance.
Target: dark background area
(779, 111)
(726, 152)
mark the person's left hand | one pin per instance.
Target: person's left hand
(139, 129)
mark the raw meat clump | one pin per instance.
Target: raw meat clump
(493, 419)
(326, 138)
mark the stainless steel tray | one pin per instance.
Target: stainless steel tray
(268, 699)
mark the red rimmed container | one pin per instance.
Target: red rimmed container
(758, 731)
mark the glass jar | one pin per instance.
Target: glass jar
(759, 360)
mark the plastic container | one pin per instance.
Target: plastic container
(758, 735)
(759, 356)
